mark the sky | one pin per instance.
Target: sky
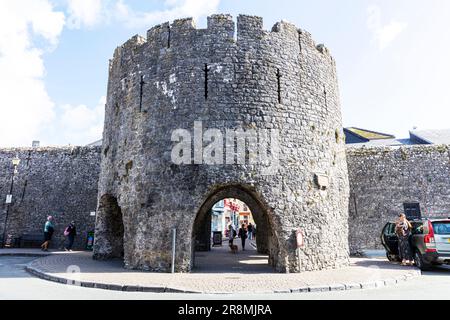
(393, 59)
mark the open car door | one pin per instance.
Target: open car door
(390, 240)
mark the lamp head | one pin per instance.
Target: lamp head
(16, 161)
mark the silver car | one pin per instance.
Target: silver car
(430, 242)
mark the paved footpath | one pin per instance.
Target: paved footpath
(245, 272)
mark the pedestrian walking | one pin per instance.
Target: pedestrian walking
(48, 233)
(243, 235)
(250, 231)
(403, 230)
(70, 232)
(231, 233)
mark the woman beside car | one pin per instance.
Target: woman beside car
(403, 230)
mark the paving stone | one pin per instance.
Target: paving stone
(300, 290)
(352, 286)
(337, 287)
(390, 282)
(368, 285)
(318, 288)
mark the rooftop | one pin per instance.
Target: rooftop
(363, 137)
(434, 136)
(370, 135)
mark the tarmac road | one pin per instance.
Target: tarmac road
(16, 283)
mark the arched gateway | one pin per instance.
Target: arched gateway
(195, 115)
(266, 241)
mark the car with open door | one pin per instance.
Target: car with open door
(430, 242)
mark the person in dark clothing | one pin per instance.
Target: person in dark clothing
(403, 230)
(250, 231)
(243, 235)
(231, 233)
(48, 233)
(70, 233)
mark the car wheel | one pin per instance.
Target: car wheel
(420, 263)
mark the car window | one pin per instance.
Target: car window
(417, 227)
(389, 229)
(441, 227)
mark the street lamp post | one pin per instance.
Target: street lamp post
(15, 163)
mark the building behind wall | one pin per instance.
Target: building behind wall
(228, 210)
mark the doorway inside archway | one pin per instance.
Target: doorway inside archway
(233, 233)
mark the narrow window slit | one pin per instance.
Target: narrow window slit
(168, 36)
(141, 93)
(206, 70)
(279, 85)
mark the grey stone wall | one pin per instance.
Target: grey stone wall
(157, 84)
(383, 178)
(58, 181)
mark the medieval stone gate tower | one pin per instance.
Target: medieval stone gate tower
(181, 77)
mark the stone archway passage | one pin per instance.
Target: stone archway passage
(110, 225)
(266, 240)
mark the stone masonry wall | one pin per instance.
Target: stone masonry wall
(383, 178)
(50, 181)
(157, 85)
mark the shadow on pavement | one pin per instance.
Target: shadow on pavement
(222, 260)
(440, 271)
(381, 264)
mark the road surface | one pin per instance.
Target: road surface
(16, 283)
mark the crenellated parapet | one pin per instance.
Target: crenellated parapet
(220, 27)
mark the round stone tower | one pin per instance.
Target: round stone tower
(194, 116)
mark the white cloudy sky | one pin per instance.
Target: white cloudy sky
(393, 59)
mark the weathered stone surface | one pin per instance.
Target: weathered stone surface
(50, 181)
(63, 180)
(154, 195)
(383, 178)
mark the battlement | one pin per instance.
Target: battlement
(249, 26)
(284, 26)
(223, 28)
(159, 34)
